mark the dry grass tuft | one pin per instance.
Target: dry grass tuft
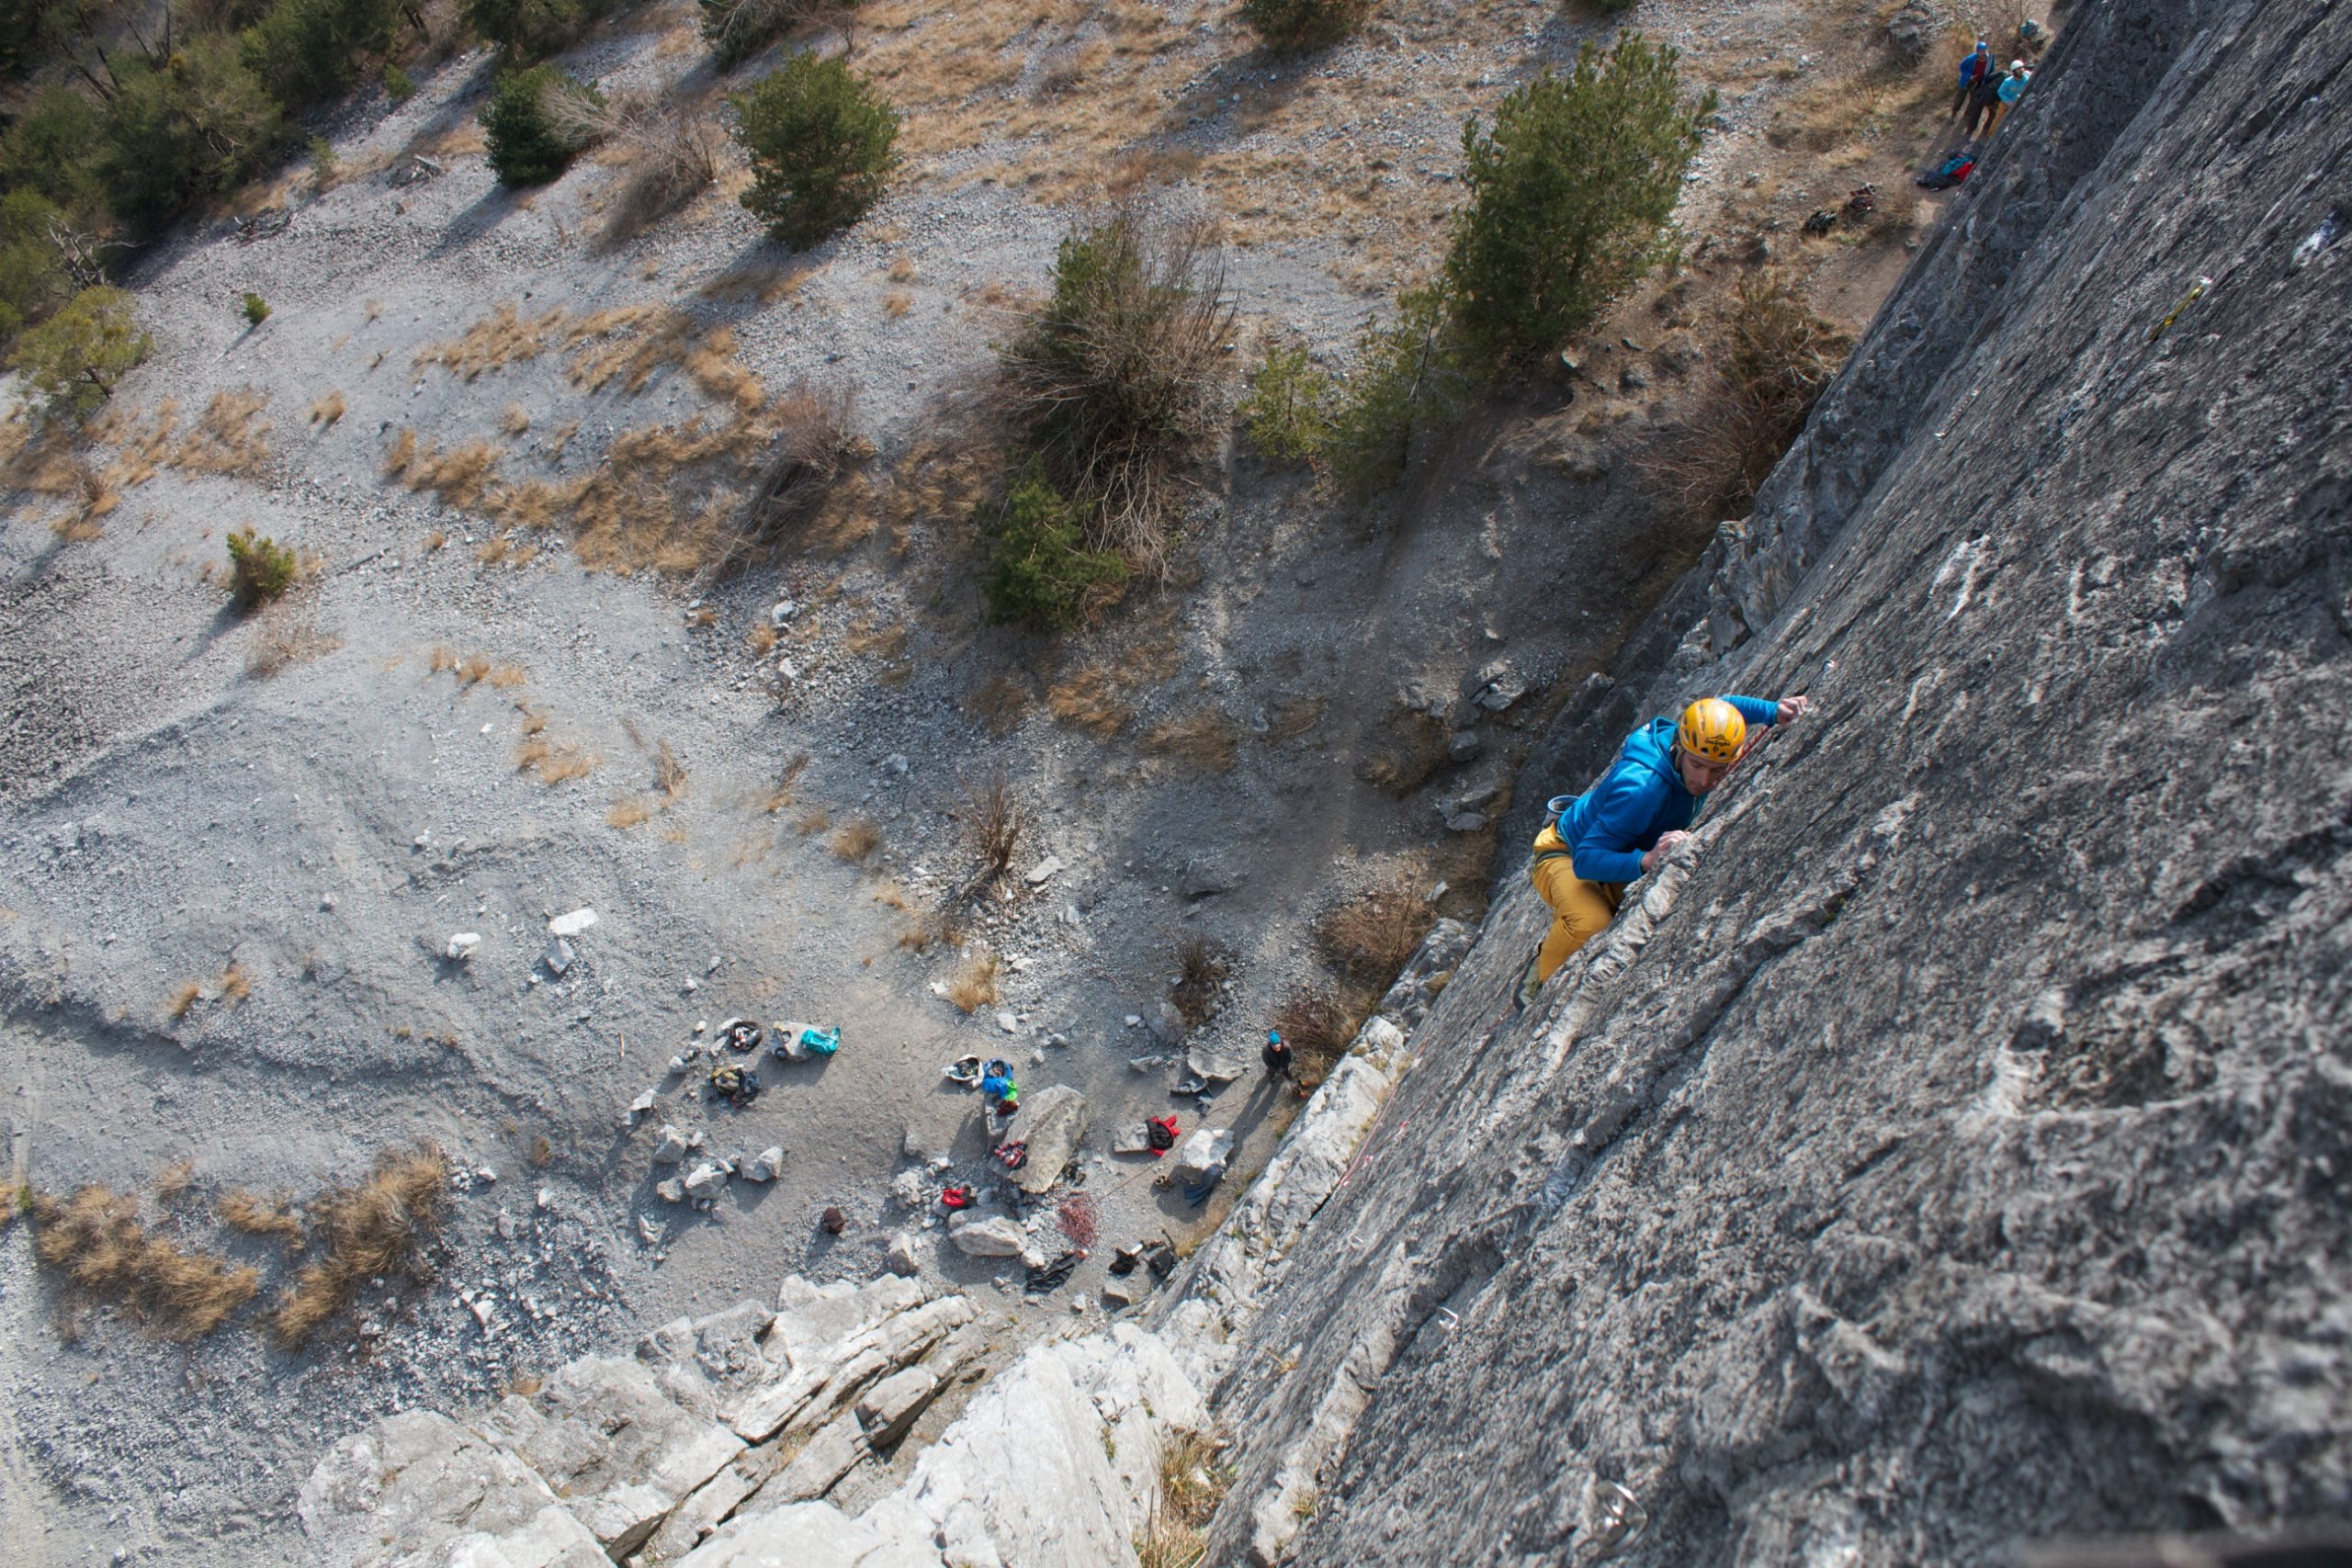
(552, 762)
(462, 476)
(974, 986)
(814, 821)
(187, 994)
(855, 842)
(95, 1241)
(174, 1179)
(1371, 934)
(282, 643)
(1412, 753)
(1088, 699)
(995, 823)
(1205, 738)
(327, 410)
(779, 795)
(365, 1233)
(257, 1215)
(634, 812)
(235, 985)
(226, 440)
(999, 702)
(669, 775)
(1192, 1483)
(1290, 720)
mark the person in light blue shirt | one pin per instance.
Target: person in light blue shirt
(2012, 87)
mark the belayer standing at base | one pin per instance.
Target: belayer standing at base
(1597, 841)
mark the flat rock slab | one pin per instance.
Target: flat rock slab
(418, 1487)
(1053, 1122)
(999, 1236)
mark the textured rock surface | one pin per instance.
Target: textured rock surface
(1947, 1149)
(418, 1488)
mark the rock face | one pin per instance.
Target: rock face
(1882, 1186)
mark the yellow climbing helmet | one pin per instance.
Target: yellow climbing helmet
(1712, 729)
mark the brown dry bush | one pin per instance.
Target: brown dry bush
(174, 1179)
(95, 1241)
(1201, 964)
(364, 1233)
(673, 158)
(974, 986)
(1205, 738)
(327, 410)
(817, 441)
(996, 820)
(632, 813)
(1116, 379)
(1411, 753)
(1776, 357)
(856, 841)
(1370, 935)
(257, 1215)
(184, 997)
(814, 821)
(1320, 1023)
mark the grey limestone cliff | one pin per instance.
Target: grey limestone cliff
(1950, 1149)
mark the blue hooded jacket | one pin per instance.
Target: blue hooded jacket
(1608, 827)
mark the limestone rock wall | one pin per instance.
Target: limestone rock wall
(1949, 1149)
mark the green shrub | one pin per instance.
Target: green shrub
(49, 150)
(1040, 572)
(306, 51)
(73, 360)
(190, 128)
(537, 122)
(323, 162)
(819, 142)
(256, 309)
(259, 569)
(1291, 26)
(1285, 408)
(1117, 381)
(398, 85)
(1411, 376)
(32, 275)
(1569, 196)
(525, 30)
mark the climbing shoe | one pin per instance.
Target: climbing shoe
(1527, 985)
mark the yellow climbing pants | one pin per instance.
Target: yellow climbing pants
(1581, 909)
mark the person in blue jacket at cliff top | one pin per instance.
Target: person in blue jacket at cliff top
(1972, 71)
(1597, 841)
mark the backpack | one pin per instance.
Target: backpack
(1159, 1132)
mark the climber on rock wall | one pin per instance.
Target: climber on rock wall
(1594, 843)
